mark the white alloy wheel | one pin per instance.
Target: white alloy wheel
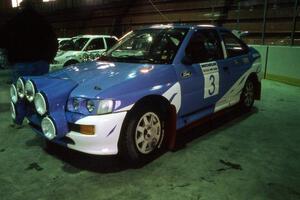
(148, 133)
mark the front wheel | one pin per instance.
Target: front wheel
(143, 135)
(247, 96)
(71, 62)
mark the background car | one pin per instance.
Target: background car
(82, 48)
(153, 82)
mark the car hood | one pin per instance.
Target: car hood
(95, 78)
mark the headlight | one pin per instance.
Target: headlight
(90, 105)
(105, 106)
(13, 93)
(20, 87)
(85, 57)
(29, 90)
(48, 128)
(40, 104)
(13, 111)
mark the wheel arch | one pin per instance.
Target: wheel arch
(166, 107)
(71, 61)
(153, 99)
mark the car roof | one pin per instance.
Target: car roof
(181, 25)
(94, 36)
(63, 38)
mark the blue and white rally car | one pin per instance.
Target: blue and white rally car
(154, 81)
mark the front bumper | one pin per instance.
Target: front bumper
(106, 137)
(103, 142)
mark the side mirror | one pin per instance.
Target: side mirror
(187, 60)
(240, 34)
(244, 34)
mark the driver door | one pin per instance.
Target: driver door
(201, 75)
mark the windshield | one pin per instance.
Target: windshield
(63, 43)
(157, 46)
(76, 44)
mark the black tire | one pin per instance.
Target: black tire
(71, 62)
(248, 95)
(140, 142)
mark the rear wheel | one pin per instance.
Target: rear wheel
(143, 135)
(248, 95)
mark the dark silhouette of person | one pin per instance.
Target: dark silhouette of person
(29, 41)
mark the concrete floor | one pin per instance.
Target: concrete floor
(237, 156)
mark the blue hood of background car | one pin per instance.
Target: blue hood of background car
(94, 78)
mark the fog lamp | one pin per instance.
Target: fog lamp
(20, 87)
(48, 128)
(13, 111)
(40, 104)
(29, 90)
(13, 93)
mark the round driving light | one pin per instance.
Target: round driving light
(20, 87)
(29, 91)
(13, 111)
(48, 128)
(40, 104)
(13, 93)
(75, 104)
(90, 105)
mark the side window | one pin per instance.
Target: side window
(233, 45)
(96, 44)
(204, 46)
(110, 42)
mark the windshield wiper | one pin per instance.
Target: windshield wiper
(134, 58)
(126, 58)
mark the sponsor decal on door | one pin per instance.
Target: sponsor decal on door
(210, 72)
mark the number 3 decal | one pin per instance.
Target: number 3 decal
(211, 78)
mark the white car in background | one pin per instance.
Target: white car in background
(82, 48)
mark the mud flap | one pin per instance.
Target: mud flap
(171, 128)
